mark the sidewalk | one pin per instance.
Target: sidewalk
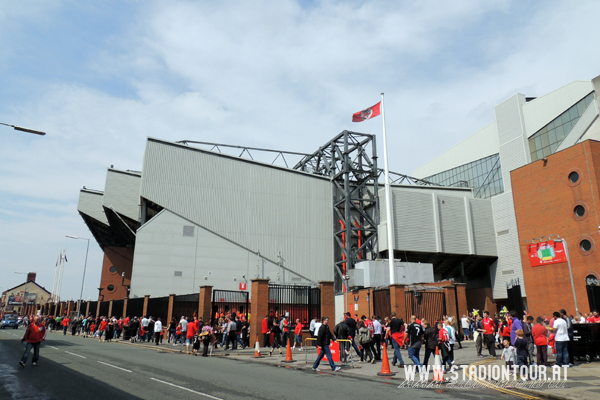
(583, 380)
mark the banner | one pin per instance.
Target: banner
(16, 299)
(549, 252)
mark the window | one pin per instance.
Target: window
(574, 177)
(112, 269)
(545, 141)
(110, 288)
(579, 211)
(585, 245)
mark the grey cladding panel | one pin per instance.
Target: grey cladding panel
(122, 192)
(483, 227)
(90, 203)
(453, 225)
(413, 221)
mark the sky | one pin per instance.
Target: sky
(100, 77)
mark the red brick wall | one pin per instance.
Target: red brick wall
(327, 300)
(122, 259)
(544, 202)
(481, 299)
(259, 307)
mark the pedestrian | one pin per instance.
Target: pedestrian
(528, 335)
(515, 324)
(364, 339)
(157, 330)
(207, 338)
(340, 331)
(430, 336)
(521, 346)
(324, 338)
(297, 334)
(444, 346)
(540, 339)
(570, 348)
(396, 333)
(509, 354)
(311, 327)
(284, 325)
(265, 331)
(144, 324)
(34, 335)
(184, 324)
(192, 328)
(488, 334)
(561, 338)
(465, 324)
(150, 330)
(65, 325)
(352, 329)
(415, 337)
(172, 329)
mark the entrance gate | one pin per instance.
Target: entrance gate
(299, 302)
(426, 305)
(224, 301)
(382, 305)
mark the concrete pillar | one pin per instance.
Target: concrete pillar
(110, 304)
(145, 310)
(398, 301)
(259, 307)
(125, 306)
(205, 303)
(461, 291)
(327, 301)
(87, 308)
(98, 304)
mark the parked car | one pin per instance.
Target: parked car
(9, 321)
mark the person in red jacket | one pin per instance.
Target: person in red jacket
(34, 335)
(65, 323)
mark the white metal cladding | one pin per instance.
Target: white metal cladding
(413, 221)
(122, 192)
(482, 219)
(90, 203)
(166, 261)
(541, 111)
(261, 207)
(453, 225)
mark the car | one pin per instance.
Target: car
(9, 321)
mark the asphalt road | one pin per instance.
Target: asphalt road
(76, 368)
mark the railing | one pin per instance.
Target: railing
(299, 302)
(185, 305)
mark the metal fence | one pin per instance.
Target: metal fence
(158, 307)
(104, 305)
(426, 305)
(382, 305)
(299, 302)
(135, 307)
(93, 308)
(185, 305)
(117, 308)
(224, 301)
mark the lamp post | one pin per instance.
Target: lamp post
(19, 128)
(84, 268)
(24, 303)
(570, 272)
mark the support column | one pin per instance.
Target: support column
(259, 307)
(70, 307)
(125, 306)
(398, 301)
(110, 304)
(327, 301)
(87, 308)
(205, 303)
(145, 309)
(98, 304)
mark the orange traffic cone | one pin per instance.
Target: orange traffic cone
(288, 354)
(385, 364)
(257, 349)
(438, 372)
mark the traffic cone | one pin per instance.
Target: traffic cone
(385, 364)
(438, 373)
(288, 354)
(257, 349)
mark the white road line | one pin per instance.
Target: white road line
(75, 354)
(52, 347)
(114, 366)
(184, 388)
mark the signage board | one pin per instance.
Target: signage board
(549, 252)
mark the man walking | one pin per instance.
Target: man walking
(340, 331)
(528, 332)
(488, 333)
(376, 337)
(415, 334)
(323, 339)
(34, 335)
(561, 338)
(157, 330)
(351, 322)
(397, 333)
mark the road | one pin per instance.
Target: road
(75, 368)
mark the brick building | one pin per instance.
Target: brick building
(560, 195)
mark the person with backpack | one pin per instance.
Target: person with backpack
(364, 339)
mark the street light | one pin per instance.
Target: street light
(84, 268)
(20, 128)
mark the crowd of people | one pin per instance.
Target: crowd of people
(522, 341)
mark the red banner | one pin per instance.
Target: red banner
(549, 252)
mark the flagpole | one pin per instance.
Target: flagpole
(388, 202)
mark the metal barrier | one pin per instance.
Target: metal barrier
(311, 352)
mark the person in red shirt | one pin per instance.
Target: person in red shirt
(540, 340)
(298, 334)
(65, 323)
(444, 345)
(265, 331)
(102, 329)
(34, 335)
(192, 328)
(488, 333)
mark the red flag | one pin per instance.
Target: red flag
(366, 114)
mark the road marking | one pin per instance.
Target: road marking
(184, 388)
(75, 354)
(52, 347)
(114, 366)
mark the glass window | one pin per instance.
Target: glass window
(552, 136)
(574, 176)
(565, 118)
(534, 156)
(586, 245)
(573, 112)
(581, 107)
(544, 138)
(546, 151)
(560, 134)
(538, 143)
(553, 147)
(567, 127)
(551, 125)
(532, 144)
(579, 211)
(540, 154)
